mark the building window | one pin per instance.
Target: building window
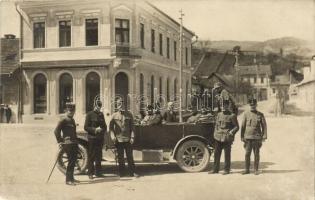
(39, 34)
(273, 90)
(153, 40)
(142, 99)
(92, 85)
(242, 79)
(65, 33)
(161, 44)
(186, 56)
(160, 89)
(255, 79)
(168, 89)
(261, 79)
(175, 50)
(152, 89)
(65, 91)
(142, 35)
(40, 94)
(187, 90)
(122, 31)
(91, 32)
(175, 89)
(168, 48)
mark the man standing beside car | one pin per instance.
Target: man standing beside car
(253, 133)
(121, 129)
(226, 127)
(96, 127)
(68, 141)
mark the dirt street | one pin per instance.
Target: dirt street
(27, 153)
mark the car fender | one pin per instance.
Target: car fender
(189, 137)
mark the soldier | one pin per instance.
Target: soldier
(253, 132)
(68, 141)
(121, 129)
(96, 127)
(225, 128)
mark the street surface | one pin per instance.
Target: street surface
(27, 153)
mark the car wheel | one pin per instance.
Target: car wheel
(193, 156)
(81, 163)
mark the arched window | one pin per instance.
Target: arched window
(160, 89)
(65, 91)
(168, 89)
(175, 89)
(152, 89)
(92, 85)
(142, 103)
(40, 94)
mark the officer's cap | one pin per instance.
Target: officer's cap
(149, 107)
(70, 106)
(252, 101)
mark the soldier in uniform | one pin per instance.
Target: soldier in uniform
(96, 127)
(121, 129)
(225, 128)
(68, 141)
(253, 132)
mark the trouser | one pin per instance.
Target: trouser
(95, 147)
(252, 145)
(218, 146)
(121, 148)
(71, 150)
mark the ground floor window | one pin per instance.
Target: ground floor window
(40, 94)
(65, 91)
(92, 90)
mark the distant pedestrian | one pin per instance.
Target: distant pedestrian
(8, 113)
(226, 127)
(277, 106)
(96, 127)
(68, 141)
(253, 133)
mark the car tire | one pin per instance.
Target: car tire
(81, 164)
(193, 156)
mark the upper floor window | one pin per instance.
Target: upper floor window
(39, 34)
(161, 43)
(153, 40)
(168, 47)
(255, 79)
(186, 55)
(175, 50)
(91, 32)
(261, 79)
(122, 31)
(65, 33)
(142, 35)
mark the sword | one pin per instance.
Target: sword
(52, 170)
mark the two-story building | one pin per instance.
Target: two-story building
(78, 50)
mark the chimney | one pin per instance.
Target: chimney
(9, 36)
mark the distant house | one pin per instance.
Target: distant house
(9, 74)
(258, 76)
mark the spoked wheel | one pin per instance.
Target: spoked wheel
(81, 163)
(193, 156)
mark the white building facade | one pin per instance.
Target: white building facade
(75, 51)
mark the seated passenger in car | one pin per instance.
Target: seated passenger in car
(170, 114)
(194, 117)
(205, 117)
(149, 116)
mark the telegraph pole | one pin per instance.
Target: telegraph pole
(180, 64)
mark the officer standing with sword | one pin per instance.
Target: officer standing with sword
(68, 141)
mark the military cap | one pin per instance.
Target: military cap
(70, 106)
(252, 101)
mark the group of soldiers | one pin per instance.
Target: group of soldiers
(121, 127)
(253, 133)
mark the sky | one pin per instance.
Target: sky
(246, 20)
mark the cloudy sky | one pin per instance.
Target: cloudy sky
(223, 19)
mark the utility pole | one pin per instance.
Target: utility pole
(180, 64)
